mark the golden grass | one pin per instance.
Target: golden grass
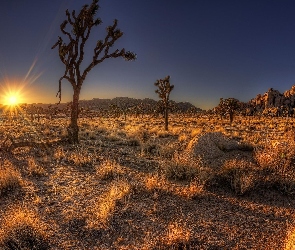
(176, 232)
(34, 169)
(105, 205)
(290, 240)
(10, 178)
(23, 229)
(143, 179)
(108, 170)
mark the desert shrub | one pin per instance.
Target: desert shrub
(239, 174)
(277, 163)
(133, 142)
(81, 157)
(10, 179)
(181, 167)
(108, 170)
(273, 157)
(101, 212)
(178, 171)
(150, 148)
(168, 149)
(59, 154)
(177, 236)
(22, 229)
(142, 134)
(34, 169)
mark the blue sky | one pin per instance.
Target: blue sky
(210, 48)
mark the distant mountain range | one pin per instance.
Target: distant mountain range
(123, 102)
(271, 99)
(146, 103)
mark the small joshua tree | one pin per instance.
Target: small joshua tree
(71, 53)
(228, 106)
(164, 89)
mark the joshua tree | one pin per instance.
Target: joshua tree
(71, 54)
(228, 106)
(164, 89)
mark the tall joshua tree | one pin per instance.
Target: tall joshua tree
(77, 29)
(164, 89)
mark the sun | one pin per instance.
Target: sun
(12, 99)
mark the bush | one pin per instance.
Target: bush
(239, 174)
(277, 165)
(182, 167)
(178, 171)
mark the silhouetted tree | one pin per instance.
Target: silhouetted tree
(164, 89)
(71, 54)
(228, 106)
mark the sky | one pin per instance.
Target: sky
(210, 49)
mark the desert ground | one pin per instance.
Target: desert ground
(204, 184)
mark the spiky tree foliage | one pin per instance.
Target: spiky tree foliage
(77, 29)
(228, 106)
(164, 90)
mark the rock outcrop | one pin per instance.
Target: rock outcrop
(274, 102)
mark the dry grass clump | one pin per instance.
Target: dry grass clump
(196, 131)
(34, 169)
(109, 170)
(87, 135)
(177, 236)
(23, 229)
(155, 182)
(105, 206)
(150, 148)
(290, 238)
(133, 141)
(277, 163)
(182, 167)
(80, 157)
(240, 174)
(142, 134)
(178, 171)
(10, 179)
(59, 154)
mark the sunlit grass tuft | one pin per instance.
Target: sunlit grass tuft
(23, 229)
(105, 206)
(10, 179)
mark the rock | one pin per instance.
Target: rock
(274, 99)
(214, 148)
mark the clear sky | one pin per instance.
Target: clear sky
(210, 48)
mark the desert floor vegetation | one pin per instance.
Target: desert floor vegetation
(129, 184)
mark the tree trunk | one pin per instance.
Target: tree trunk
(73, 129)
(166, 119)
(231, 117)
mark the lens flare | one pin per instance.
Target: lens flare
(12, 100)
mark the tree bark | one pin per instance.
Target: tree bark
(166, 118)
(73, 129)
(231, 117)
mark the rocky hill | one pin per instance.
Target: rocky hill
(274, 100)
